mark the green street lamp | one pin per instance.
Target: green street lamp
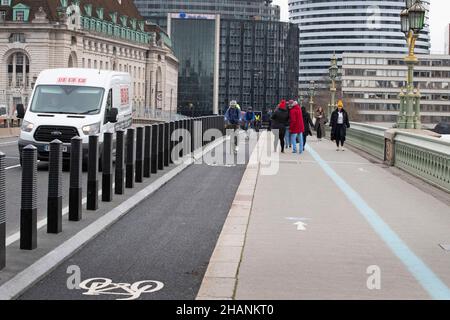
(312, 89)
(333, 75)
(412, 20)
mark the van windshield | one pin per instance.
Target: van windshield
(67, 99)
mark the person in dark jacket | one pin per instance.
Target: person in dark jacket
(280, 120)
(321, 120)
(308, 124)
(339, 124)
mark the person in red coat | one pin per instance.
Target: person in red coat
(297, 127)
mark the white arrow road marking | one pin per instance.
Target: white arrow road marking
(300, 225)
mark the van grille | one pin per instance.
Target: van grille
(50, 133)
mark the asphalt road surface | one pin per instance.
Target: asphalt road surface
(168, 238)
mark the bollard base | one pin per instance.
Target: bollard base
(161, 161)
(139, 170)
(75, 204)
(154, 164)
(92, 195)
(129, 179)
(28, 229)
(2, 245)
(147, 167)
(107, 191)
(119, 182)
(54, 215)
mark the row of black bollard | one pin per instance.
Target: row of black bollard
(139, 153)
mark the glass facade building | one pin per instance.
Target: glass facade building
(338, 26)
(253, 62)
(258, 63)
(194, 45)
(156, 10)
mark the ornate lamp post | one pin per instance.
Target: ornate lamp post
(412, 21)
(333, 75)
(312, 89)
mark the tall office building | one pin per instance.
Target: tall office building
(328, 27)
(253, 62)
(156, 10)
(373, 82)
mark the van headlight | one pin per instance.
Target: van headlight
(91, 129)
(27, 126)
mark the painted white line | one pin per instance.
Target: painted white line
(13, 167)
(23, 280)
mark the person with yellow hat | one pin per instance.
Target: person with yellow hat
(339, 124)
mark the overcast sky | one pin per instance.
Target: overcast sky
(439, 18)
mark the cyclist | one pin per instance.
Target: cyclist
(249, 121)
(232, 121)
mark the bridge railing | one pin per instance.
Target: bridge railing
(367, 138)
(425, 157)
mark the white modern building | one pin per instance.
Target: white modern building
(363, 26)
(373, 83)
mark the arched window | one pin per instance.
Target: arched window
(18, 70)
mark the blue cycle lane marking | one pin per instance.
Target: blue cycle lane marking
(435, 287)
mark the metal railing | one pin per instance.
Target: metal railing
(140, 153)
(425, 157)
(367, 138)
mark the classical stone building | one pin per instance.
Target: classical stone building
(101, 34)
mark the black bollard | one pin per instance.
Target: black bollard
(147, 151)
(171, 143)
(139, 154)
(75, 189)
(193, 135)
(161, 146)
(92, 181)
(2, 212)
(129, 161)
(119, 178)
(107, 173)
(54, 200)
(154, 154)
(166, 144)
(183, 138)
(28, 211)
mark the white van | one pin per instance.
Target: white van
(75, 102)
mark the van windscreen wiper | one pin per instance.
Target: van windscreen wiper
(89, 111)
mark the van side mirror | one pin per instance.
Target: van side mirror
(20, 111)
(111, 115)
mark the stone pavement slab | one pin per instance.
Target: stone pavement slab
(363, 226)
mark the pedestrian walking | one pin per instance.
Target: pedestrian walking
(321, 120)
(308, 124)
(339, 124)
(280, 120)
(287, 136)
(249, 122)
(296, 127)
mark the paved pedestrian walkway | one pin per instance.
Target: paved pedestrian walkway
(331, 225)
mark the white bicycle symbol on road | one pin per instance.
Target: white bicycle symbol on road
(100, 286)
